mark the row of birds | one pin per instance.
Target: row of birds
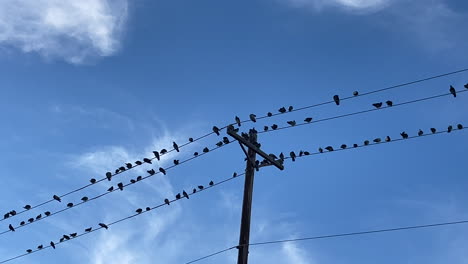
(138, 211)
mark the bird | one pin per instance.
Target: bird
(329, 148)
(190, 139)
(27, 207)
(29, 250)
(120, 185)
(389, 103)
(211, 183)
(420, 132)
(195, 154)
(178, 196)
(292, 123)
(269, 114)
(57, 198)
(122, 168)
(282, 110)
(12, 212)
(377, 105)
(52, 244)
(109, 175)
(253, 117)
(88, 229)
(307, 153)
(404, 135)
(453, 91)
(290, 108)
(5, 216)
(377, 140)
(185, 194)
(40, 247)
(66, 237)
(274, 126)
(449, 129)
(265, 128)
(73, 234)
(139, 178)
(129, 165)
(163, 151)
(163, 171)
(433, 130)
(103, 225)
(336, 98)
(176, 162)
(194, 190)
(225, 140)
(388, 139)
(110, 189)
(238, 121)
(39, 216)
(166, 201)
(176, 147)
(459, 126)
(30, 220)
(281, 156)
(148, 209)
(343, 146)
(216, 130)
(132, 181)
(92, 181)
(139, 211)
(355, 93)
(466, 86)
(12, 229)
(355, 145)
(138, 162)
(69, 205)
(366, 142)
(117, 171)
(206, 150)
(151, 172)
(200, 187)
(147, 160)
(320, 150)
(234, 174)
(292, 155)
(22, 223)
(219, 144)
(62, 239)
(47, 213)
(308, 120)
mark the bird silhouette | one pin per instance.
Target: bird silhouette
(216, 130)
(282, 110)
(178, 196)
(388, 139)
(269, 114)
(459, 126)
(466, 86)
(343, 146)
(132, 181)
(308, 120)
(22, 223)
(420, 132)
(120, 185)
(291, 123)
(377, 105)
(70, 205)
(194, 190)
(206, 150)
(453, 91)
(84, 199)
(219, 144)
(190, 139)
(200, 187)
(103, 226)
(366, 142)
(117, 171)
(336, 98)
(92, 181)
(355, 145)
(329, 148)
(88, 229)
(163, 171)
(265, 128)
(66, 237)
(307, 153)
(389, 103)
(163, 151)
(320, 150)
(176, 162)
(108, 175)
(62, 239)
(292, 155)
(38, 216)
(12, 229)
(129, 165)
(148, 209)
(156, 155)
(29, 250)
(449, 129)
(166, 201)
(355, 93)
(138, 162)
(110, 189)
(146, 160)
(377, 140)
(151, 172)
(274, 126)
(185, 194)
(139, 178)
(281, 156)
(253, 117)
(57, 198)
(47, 213)
(234, 174)
(139, 211)
(211, 183)
(404, 135)
(122, 169)
(73, 235)
(195, 154)
(238, 121)
(290, 108)
(225, 140)
(27, 207)
(12, 212)
(433, 130)
(30, 220)
(40, 247)
(52, 244)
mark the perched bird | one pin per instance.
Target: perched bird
(139, 211)
(234, 174)
(163, 151)
(185, 194)
(290, 108)
(5, 216)
(122, 169)
(200, 187)
(282, 110)
(404, 135)
(56, 198)
(103, 226)
(211, 183)
(52, 244)
(148, 208)
(40, 247)
(84, 199)
(108, 175)
(265, 128)
(389, 103)
(176, 162)
(92, 181)
(433, 130)
(120, 185)
(366, 142)
(292, 155)
(205, 150)
(420, 132)
(449, 129)
(22, 223)
(377, 140)
(12, 212)
(138, 162)
(320, 150)
(336, 98)
(178, 196)
(216, 130)
(39, 216)
(151, 172)
(47, 213)
(194, 190)
(66, 237)
(27, 207)
(163, 171)
(355, 93)
(466, 86)
(139, 178)
(30, 220)
(190, 139)
(166, 201)
(307, 153)
(459, 126)
(453, 91)
(225, 140)
(147, 160)
(253, 117)
(343, 146)
(70, 205)
(281, 156)
(73, 234)
(29, 250)
(388, 139)
(355, 145)
(195, 154)
(12, 229)
(329, 148)
(377, 105)
(88, 229)
(238, 121)
(292, 123)
(129, 165)
(132, 181)
(274, 126)
(110, 189)
(269, 114)
(117, 171)
(308, 120)
(219, 144)
(62, 239)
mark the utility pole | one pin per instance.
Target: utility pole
(251, 166)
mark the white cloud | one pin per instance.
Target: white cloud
(294, 254)
(354, 5)
(72, 30)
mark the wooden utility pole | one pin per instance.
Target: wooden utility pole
(251, 166)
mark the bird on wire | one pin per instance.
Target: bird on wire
(453, 91)
(336, 98)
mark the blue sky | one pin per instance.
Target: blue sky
(87, 86)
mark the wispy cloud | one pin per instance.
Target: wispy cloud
(350, 5)
(72, 30)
